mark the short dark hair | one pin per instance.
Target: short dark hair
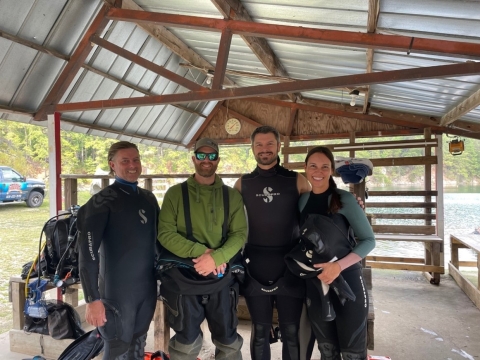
(115, 148)
(265, 129)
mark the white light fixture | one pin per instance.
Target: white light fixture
(209, 77)
(354, 94)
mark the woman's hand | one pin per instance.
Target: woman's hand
(330, 271)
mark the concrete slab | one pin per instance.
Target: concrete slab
(414, 320)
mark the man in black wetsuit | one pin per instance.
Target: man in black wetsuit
(117, 236)
(271, 194)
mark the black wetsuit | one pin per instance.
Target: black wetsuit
(117, 237)
(347, 333)
(271, 198)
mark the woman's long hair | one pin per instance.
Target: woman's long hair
(335, 203)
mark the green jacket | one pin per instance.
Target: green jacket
(206, 209)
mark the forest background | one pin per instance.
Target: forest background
(24, 147)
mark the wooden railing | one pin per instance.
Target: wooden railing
(70, 188)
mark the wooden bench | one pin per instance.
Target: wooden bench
(471, 242)
(34, 344)
(432, 264)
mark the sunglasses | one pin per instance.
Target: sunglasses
(203, 156)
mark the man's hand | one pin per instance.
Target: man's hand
(95, 313)
(330, 271)
(360, 201)
(204, 264)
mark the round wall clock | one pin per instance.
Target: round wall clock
(233, 126)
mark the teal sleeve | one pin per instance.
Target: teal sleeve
(237, 229)
(359, 222)
(168, 233)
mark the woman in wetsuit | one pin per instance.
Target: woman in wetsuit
(346, 335)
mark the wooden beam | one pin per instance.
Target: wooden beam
(207, 121)
(405, 44)
(461, 109)
(405, 266)
(18, 111)
(375, 115)
(137, 88)
(293, 116)
(160, 70)
(71, 68)
(401, 161)
(403, 193)
(373, 11)
(402, 205)
(172, 42)
(222, 59)
(123, 133)
(442, 71)
(376, 145)
(33, 45)
(241, 117)
(234, 9)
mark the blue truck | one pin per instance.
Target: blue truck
(15, 187)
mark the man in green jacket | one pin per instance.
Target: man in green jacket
(210, 255)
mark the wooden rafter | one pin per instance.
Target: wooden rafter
(233, 9)
(137, 88)
(11, 110)
(33, 45)
(442, 71)
(76, 61)
(58, 55)
(375, 115)
(461, 109)
(303, 34)
(172, 42)
(241, 117)
(205, 124)
(373, 11)
(160, 70)
(293, 116)
(122, 133)
(222, 59)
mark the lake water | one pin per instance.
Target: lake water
(461, 214)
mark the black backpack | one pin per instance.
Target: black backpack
(59, 256)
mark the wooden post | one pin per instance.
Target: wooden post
(70, 192)
(286, 145)
(17, 291)
(454, 249)
(148, 184)
(161, 330)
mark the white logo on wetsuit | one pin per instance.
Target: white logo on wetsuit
(144, 218)
(267, 194)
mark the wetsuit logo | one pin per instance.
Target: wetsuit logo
(90, 245)
(144, 218)
(268, 194)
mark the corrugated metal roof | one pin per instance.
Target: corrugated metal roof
(27, 75)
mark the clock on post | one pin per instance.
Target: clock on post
(233, 126)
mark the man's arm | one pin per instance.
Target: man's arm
(303, 185)
(238, 185)
(91, 225)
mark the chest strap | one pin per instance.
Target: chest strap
(188, 219)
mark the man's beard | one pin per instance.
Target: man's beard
(268, 161)
(205, 172)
